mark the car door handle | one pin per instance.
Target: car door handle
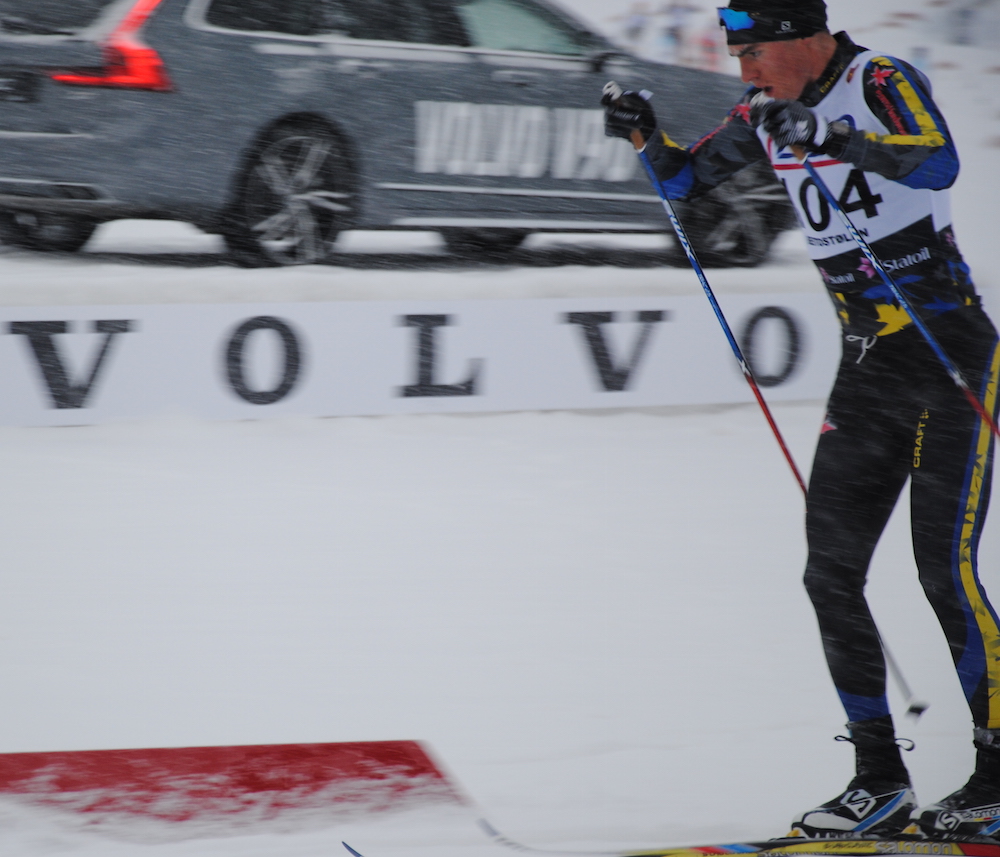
(517, 76)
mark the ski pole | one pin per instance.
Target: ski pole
(640, 145)
(953, 371)
(915, 707)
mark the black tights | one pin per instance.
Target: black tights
(894, 415)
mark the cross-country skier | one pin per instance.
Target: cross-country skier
(870, 126)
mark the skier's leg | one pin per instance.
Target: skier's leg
(861, 465)
(949, 499)
(950, 495)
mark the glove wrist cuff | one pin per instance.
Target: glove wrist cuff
(822, 131)
(838, 136)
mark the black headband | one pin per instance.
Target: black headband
(751, 21)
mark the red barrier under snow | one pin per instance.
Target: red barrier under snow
(235, 784)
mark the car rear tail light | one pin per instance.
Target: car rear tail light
(129, 63)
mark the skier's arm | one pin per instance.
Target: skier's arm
(683, 173)
(717, 156)
(919, 151)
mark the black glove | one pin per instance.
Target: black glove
(790, 123)
(625, 112)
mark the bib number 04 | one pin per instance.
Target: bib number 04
(856, 195)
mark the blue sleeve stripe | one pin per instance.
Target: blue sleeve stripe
(680, 185)
(928, 105)
(940, 170)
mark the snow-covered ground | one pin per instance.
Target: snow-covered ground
(595, 619)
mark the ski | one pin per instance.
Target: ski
(795, 846)
(831, 848)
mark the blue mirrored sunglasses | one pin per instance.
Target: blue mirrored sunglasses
(733, 20)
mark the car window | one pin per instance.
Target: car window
(512, 25)
(446, 26)
(295, 17)
(49, 17)
(381, 20)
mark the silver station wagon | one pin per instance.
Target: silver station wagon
(279, 123)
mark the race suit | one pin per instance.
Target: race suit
(894, 413)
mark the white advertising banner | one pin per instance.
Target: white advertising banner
(93, 364)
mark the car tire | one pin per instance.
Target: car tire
(735, 224)
(483, 242)
(44, 231)
(294, 196)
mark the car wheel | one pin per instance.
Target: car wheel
(478, 242)
(44, 231)
(294, 197)
(735, 224)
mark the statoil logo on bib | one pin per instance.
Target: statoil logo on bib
(923, 255)
(837, 279)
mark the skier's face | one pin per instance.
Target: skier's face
(780, 69)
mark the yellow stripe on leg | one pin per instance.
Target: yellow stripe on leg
(984, 618)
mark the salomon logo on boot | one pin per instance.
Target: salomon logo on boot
(967, 812)
(974, 810)
(958, 816)
(879, 800)
(859, 811)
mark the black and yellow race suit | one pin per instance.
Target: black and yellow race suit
(894, 413)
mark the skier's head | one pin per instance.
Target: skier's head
(782, 45)
(752, 21)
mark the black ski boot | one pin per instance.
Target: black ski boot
(974, 810)
(878, 801)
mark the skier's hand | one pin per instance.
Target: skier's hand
(627, 111)
(790, 123)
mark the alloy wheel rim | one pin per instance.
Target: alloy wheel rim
(295, 204)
